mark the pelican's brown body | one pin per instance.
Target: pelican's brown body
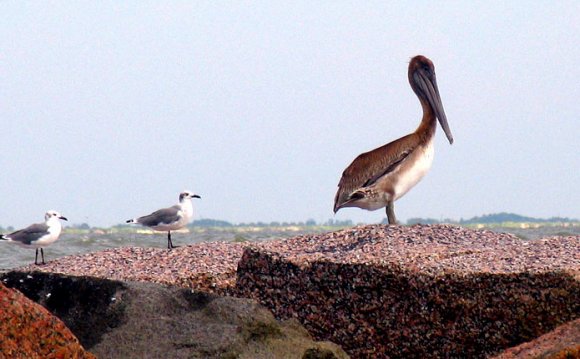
(377, 178)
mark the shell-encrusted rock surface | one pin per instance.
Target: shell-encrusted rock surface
(209, 266)
(419, 291)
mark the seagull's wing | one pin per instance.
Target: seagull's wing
(29, 234)
(162, 216)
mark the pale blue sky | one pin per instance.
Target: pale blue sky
(109, 109)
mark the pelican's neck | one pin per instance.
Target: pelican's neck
(428, 125)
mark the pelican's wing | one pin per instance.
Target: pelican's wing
(370, 166)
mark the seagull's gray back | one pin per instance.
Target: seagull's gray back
(162, 216)
(29, 234)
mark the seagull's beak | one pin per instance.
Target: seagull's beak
(63, 217)
(195, 196)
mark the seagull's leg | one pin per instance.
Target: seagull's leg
(42, 254)
(391, 213)
(169, 242)
(36, 257)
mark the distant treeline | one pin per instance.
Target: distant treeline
(485, 219)
(493, 218)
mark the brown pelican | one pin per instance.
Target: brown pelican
(378, 178)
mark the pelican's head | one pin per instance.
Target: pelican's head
(424, 83)
(54, 214)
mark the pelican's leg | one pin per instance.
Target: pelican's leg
(36, 257)
(391, 213)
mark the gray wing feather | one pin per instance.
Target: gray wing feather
(162, 216)
(30, 233)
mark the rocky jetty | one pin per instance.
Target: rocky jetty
(422, 291)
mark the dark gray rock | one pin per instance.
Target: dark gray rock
(114, 319)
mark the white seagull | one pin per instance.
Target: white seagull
(170, 219)
(38, 235)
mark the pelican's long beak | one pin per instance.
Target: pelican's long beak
(430, 89)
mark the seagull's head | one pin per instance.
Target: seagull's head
(187, 195)
(50, 214)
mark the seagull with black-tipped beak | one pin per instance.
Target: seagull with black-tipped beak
(38, 235)
(170, 219)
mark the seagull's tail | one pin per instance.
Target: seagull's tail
(3, 238)
(133, 220)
